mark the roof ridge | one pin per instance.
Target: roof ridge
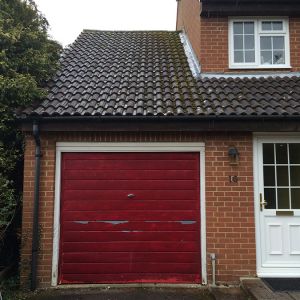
(129, 31)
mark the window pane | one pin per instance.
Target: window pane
(282, 176)
(278, 57)
(266, 57)
(270, 198)
(238, 28)
(249, 27)
(278, 42)
(249, 56)
(295, 153)
(281, 154)
(266, 43)
(295, 193)
(249, 42)
(283, 199)
(269, 176)
(238, 56)
(238, 42)
(266, 25)
(268, 153)
(277, 25)
(295, 176)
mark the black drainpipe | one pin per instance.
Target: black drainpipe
(35, 226)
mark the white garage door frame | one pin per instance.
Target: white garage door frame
(62, 147)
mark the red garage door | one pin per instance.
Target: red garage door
(130, 217)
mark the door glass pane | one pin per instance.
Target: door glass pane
(281, 154)
(283, 198)
(268, 153)
(282, 176)
(295, 153)
(295, 193)
(295, 176)
(269, 176)
(270, 198)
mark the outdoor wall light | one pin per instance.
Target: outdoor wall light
(233, 154)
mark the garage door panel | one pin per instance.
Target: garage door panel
(127, 205)
(154, 257)
(129, 184)
(122, 215)
(152, 236)
(133, 225)
(136, 235)
(136, 156)
(129, 277)
(113, 195)
(129, 165)
(131, 246)
(116, 268)
(136, 175)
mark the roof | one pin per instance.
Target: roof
(107, 73)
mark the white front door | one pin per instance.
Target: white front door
(278, 206)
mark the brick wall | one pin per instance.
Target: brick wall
(209, 37)
(229, 206)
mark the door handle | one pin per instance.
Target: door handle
(262, 202)
(130, 196)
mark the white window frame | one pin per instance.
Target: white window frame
(258, 32)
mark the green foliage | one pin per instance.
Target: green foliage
(28, 58)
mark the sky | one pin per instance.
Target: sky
(67, 18)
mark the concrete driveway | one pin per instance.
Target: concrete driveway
(125, 294)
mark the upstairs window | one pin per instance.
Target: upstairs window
(259, 43)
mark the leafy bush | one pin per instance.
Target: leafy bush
(28, 58)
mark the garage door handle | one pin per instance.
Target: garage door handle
(131, 196)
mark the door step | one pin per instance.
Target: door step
(257, 289)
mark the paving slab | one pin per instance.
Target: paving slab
(260, 291)
(125, 294)
(295, 295)
(230, 293)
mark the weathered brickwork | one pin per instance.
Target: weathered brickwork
(209, 38)
(229, 206)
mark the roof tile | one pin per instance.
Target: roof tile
(123, 73)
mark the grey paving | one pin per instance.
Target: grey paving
(126, 294)
(260, 291)
(229, 293)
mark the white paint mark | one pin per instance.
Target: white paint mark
(81, 222)
(184, 222)
(113, 222)
(187, 222)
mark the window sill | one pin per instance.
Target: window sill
(259, 67)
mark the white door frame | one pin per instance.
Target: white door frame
(126, 147)
(259, 138)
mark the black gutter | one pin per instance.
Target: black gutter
(35, 226)
(159, 118)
